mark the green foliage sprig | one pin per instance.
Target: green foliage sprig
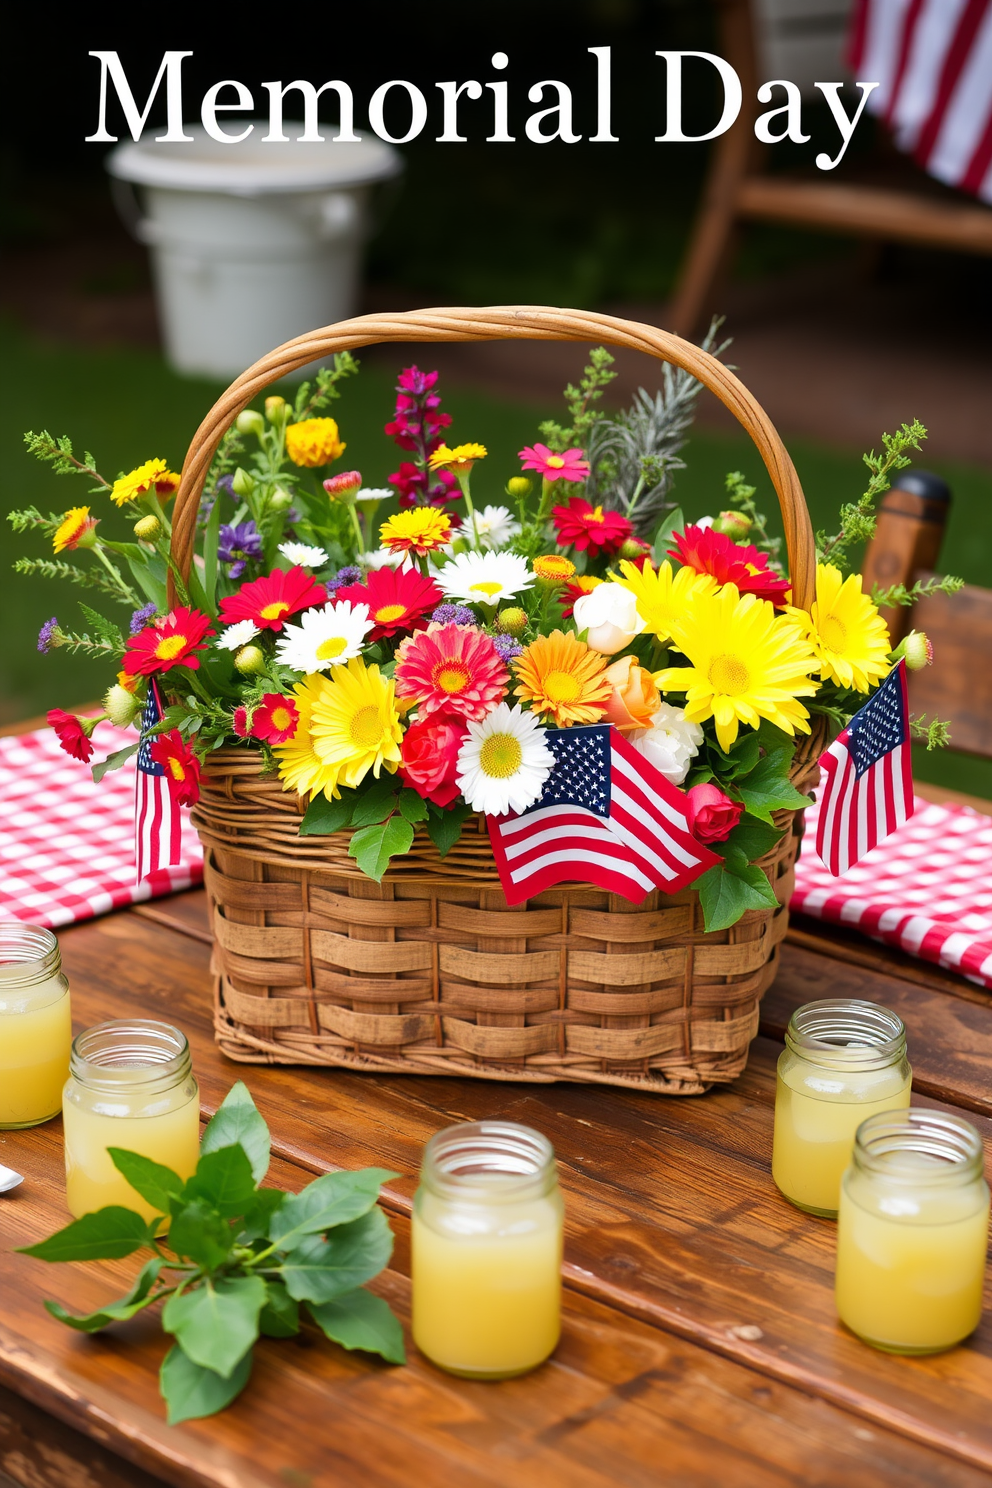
(857, 518)
(935, 732)
(238, 1259)
(741, 497)
(312, 397)
(580, 401)
(898, 594)
(57, 452)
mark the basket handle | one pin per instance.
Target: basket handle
(498, 323)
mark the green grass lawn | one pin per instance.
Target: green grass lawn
(125, 406)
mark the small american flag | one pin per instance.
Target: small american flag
(868, 778)
(606, 816)
(157, 821)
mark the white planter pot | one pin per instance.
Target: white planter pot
(251, 244)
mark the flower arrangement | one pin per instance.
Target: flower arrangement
(403, 670)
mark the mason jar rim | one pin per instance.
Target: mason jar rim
(130, 1053)
(28, 953)
(460, 1161)
(883, 1145)
(846, 1033)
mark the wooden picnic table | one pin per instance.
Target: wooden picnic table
(700, 1341)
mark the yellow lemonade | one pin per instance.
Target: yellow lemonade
(35, 1026)
(486, 1264)
(131, 1085)
(912, 1232)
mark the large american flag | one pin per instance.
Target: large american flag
(606, 817)
(157, 818)
(867, 785)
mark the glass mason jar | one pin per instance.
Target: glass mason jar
(130, 1085)
(35, 1025)
(487, 1246)
(843, 1061)
(912, 1232)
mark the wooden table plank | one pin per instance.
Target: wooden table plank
(672, 1215)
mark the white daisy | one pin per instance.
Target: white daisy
(495, 526)
(324, 638)
(303, 554)
(670, 743)
(485, 578)
(385, 558)
(372, 495)
(237, 635)
(504, 761)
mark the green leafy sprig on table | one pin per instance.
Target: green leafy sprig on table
(238, 1259)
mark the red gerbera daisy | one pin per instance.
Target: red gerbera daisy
(270, 600)
(171, 641)
(582, 526)
(714, 553)
(452, 668)
(275, 719)
(73, 733)
(182, 768)
(397, 600)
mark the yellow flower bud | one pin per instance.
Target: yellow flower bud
(250, 422)
(249, 660)
(518, 486)
(276, 409)
(121, 706)
(149, 529)
(733, 524)
(917, 648)
(512, 621)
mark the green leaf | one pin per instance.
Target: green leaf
(198, 1233)
(191, 1391)
(106, 1235)
(674, 522)
(105, 629)
(768, 787)
(445, 827)
(358, 1320)
(376, 803)
(216, 1324)
(373, 847)
(334, 1199)
(280, 1317)
(323, 816)
(114, 1312)
(224, 1179)
(211, 542)
(726, 895)
(413, 807)
(318, 1270)
(147, 569)
(744, 755)
(752, 837)
(237, 1120)
(258, 1216)
(156, 1184)
(114, 761)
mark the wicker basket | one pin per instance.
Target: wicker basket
(431, 972)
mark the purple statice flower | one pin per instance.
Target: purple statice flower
(46, 634)
(348, 575)
(225, 484)
(141, 617)
(507, 646)
(453, 614)
(236, 545)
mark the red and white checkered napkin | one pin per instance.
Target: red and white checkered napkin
(927, 889)
(66, 843)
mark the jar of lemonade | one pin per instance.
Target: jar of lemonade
(130, 1085)
(35, 1025)
(912, 1232)
(486, 1250)
(843, 1061)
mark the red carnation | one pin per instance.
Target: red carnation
(182, 768)
(710, 552)
(73, 734)
(582, 526)
(397, 599)
(172, 641)
(268, 601)
(430, 757)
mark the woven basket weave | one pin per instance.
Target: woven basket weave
(431, 972)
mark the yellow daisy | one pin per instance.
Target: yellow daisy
(459, 459)
(421, 529)
(355, 724)
(74, 530)
(562, 676)
(153, 473)
(746, 663)
(845, 630)
(314, 442)
(300, 768)
(553, 568)
(662, 600)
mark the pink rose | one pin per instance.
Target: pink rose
(712, 815)
(430, 758)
